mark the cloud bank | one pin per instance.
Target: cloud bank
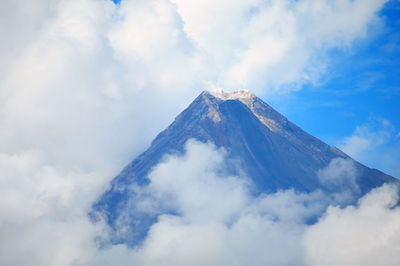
(218, 221)
(208, 218)
(84, 87)
(366, 234)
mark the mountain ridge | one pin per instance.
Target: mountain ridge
(272, 151)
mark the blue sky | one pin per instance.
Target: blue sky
(86, 85)
(360, 86)
(362, 80)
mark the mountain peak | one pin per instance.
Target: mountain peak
(265, 113)
(271, 151)
(236, 95)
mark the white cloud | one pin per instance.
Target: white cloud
(85, 85)
(81, 73)
(197, 187)
(375, 144)
(340, 178)
(368, 234)
(267, 44)
(367, 137)
(219, 222)
(43, 211)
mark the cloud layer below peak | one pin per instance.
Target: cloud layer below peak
(208, 218)
(86, 84)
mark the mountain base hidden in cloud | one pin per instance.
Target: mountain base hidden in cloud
(250, 149)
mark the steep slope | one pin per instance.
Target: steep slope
(273, 152)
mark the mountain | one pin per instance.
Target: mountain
(273, 152)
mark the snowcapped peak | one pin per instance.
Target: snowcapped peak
(250, 100)
(240, 94)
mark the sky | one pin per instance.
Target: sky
(85, 85)
(359, 90)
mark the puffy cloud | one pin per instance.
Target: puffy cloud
(85, 85)
(366, 234)
(339, 177)
(267, 44)
(43, 211)
(209, 218)
(198, 185)
(205, 218)
(81, 73)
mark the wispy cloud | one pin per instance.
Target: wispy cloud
(367, 137)
(85, 85)
(374, 143)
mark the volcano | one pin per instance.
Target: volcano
(274, 153)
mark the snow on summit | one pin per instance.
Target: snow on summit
(240, 94)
